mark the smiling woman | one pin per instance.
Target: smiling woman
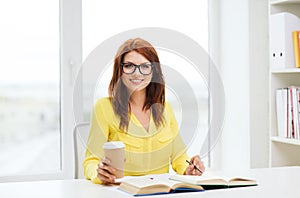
(31, 78)
(96, 29)
(136, 110)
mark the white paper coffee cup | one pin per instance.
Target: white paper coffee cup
(114, 151)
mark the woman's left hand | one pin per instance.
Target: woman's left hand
(192, 170)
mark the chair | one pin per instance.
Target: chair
(80, 136)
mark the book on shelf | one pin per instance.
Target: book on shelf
(298, 107)
(294, 111)
(288, 112)
(156, 184)
(165, 184)
(296, 44)
(282, 111)
(298, 94)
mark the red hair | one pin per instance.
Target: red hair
(155, 91)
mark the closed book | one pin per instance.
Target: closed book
(290, 115)
(294, 111)
(281, 111)
(298, 105)
(296, 44)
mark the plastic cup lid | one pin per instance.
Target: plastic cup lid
(113, 145)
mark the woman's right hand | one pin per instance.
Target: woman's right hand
(106, 172)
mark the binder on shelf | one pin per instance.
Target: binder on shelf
(288, 112)
(296, 44)
(282, 112)
(281, 44)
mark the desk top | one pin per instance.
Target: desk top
(272, 182)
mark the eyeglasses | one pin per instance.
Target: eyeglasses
(129, 68)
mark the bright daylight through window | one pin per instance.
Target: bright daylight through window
(29, 87)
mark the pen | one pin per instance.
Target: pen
(195, 167)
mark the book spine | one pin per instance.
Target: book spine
(298, 107)
(287, 113)
(292, 118)
(298, 65)
(279, 112)
(296, 44)
(295, 112)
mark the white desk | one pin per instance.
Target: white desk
(274, 182)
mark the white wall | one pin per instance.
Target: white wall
(259, 79)
(234, 71)
(240, 51)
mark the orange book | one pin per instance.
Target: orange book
(296, 43)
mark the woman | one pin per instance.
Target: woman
(136, 113)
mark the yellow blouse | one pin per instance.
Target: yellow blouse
(146, 152)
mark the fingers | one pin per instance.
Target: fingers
(196, 164)
(106, 172)
(189, 170)
(196, 160)
(105, 161)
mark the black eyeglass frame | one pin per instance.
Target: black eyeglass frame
(137, 66)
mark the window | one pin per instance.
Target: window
(36, 87)
(29, 87)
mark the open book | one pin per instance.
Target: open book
(156, 184)
(214, 182)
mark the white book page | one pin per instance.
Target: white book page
(143, 181)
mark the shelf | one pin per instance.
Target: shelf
(284, 2)
(285, 140)
(283, 151)
(285, 71)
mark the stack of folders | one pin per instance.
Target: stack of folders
(288, 112)
(296, 44)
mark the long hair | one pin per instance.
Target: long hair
(155, 91)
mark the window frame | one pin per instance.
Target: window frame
(70, 55)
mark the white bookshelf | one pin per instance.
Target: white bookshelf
(283, 151)
(285, 140)
(285, 71)
(283, 2)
